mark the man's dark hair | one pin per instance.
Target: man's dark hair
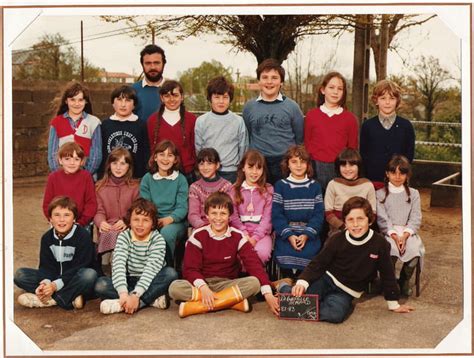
(151, 49)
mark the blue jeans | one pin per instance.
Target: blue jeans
(82, 283)
(104, 288)
(335, 305)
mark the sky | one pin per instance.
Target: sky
(121, 53)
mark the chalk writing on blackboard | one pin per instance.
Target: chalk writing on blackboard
(304, 307)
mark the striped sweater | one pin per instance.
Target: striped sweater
(137, 258)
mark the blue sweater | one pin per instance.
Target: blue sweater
(378, 145)
(297, 209)
(273, 126)
(148, 100)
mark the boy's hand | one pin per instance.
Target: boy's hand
(208, 297)
(119, 226)
(123, 299)
(273, 303)
(298, 290)
(48, 290)
(293, 242)
(39, 291)
(105, 227)
(132, 303)
(404, 309)
(165, 221)
(301, 241)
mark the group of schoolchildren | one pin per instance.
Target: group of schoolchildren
(173, 178)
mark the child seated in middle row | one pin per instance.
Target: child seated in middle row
(208, 164)
(140, 276)
(212, 264)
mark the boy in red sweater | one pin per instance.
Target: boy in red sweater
(72, 181)
(212, 264)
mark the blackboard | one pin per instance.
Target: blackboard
(305, 307)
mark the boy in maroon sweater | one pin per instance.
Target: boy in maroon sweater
(72, 181)
(212, 264)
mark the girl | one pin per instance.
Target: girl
(208, 164)
(174, 123)
(252, 198)
(347, 184)
(399, 218)
(167, 188)
(115, 193)
(297, 212)
(74, 122)
(329, 128)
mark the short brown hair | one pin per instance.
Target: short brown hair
(271, 64)
(161, 147)
(220, 85)
(219, 200)
(358, 202)
(300, 152)
(62, 202)
(67, 150)
(145, 207)
(388, 86)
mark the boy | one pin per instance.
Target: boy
(139, 276)
(124, 129)
(346, 264)
(65, 274)
(72, 181)
(222, 129)
(212, 263)
(385, 134)
(274, 122)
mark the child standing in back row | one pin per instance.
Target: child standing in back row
(252, 197)
(399, 218)
(297, 213)
(208, 163)
(330, 127)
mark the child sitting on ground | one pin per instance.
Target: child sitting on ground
(208, 164)
(66, 273)
(140, 277)
(72, 181)
(212, 264)
(347, 263)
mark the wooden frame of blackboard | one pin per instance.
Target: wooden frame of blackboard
(311, 296)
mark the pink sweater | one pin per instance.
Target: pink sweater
(113, 201)
(198, 193)
(254, 215)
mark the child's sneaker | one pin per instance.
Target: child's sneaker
(110, 306)
(162, 302)
(32, 301)
(78, 302)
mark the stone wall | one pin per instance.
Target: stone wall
(32, 113)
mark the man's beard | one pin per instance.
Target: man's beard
(154, 78)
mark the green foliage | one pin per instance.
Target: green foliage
(53, 58)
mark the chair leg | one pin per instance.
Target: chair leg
(417, 277)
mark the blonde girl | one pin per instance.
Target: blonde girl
(399, 218)
(115, 193)
(252, 197)
(297, 212)
(329, 128)
(167, 188)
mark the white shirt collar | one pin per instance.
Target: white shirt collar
(172, 176)
(131, 118)
(246, 186)
(218, 237)
(329, 111)
(278, 98)
(294, 180)
(395, 189)
(358, 243)
(146, 83)
(68, 236)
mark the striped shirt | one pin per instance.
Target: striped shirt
(137, 258)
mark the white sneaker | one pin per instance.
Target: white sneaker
(78, 302)
(33, 301)
(110, 306)
(162, 302)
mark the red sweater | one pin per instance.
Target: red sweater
(325, 137)
(78, 186)
(173, 133)
(206, 256)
